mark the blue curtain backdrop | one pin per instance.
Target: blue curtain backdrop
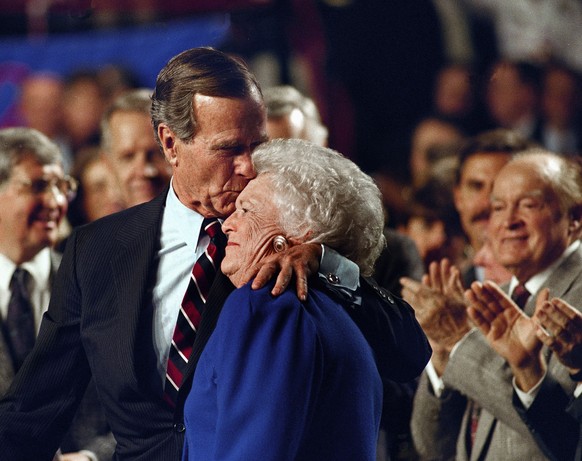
(143, 49)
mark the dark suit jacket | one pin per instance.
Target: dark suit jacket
(89, 430)
(99, 324)
(552, 420)
(575, 410)
(399, 259)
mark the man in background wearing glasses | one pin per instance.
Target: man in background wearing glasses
(34, 193)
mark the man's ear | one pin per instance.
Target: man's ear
(575, 226)
(168, 142)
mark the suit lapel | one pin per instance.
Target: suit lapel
(133, 271)
(561, 279)
(483, 435)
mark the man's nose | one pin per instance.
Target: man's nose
(150, 170)
(244, 166)
(53, 196)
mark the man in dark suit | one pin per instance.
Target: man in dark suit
(122, 279)
(34, 193)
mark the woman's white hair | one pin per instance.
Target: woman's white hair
(325, 197)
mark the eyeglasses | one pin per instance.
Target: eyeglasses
(65, 186)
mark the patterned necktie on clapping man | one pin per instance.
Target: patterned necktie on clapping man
(520, 295)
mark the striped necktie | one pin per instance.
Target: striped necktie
(192, 308)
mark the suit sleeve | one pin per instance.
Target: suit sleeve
(436, 421)
(41, 402)
(388, 323)
(478, 372)
(575, 409)
(555, 430)
(266, 387)
(400, 347)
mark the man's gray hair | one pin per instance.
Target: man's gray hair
(561, 173)
(320, 192)
(138, 100)
(281, 100)
(204, 71)
(16, 144)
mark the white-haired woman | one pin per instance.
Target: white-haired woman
(282, 379)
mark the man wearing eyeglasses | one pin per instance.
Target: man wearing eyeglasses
(34, 193)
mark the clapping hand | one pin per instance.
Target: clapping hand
(508, 330)
(560, 328)
(439, 307)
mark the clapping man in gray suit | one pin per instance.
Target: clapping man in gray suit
(553, 417)
(533, 229)
(34, 193)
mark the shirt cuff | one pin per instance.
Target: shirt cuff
(438, 386)
(578, 390)
(345, 271)
(89, 454)
(527, 398)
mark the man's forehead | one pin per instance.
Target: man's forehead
(30, 161)
(484, 163)
(254, 97)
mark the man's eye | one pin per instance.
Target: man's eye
(39, 186)
(529, 204)
(256, 144)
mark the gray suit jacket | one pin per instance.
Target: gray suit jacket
(476, 372)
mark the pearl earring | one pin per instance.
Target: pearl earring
(280, 243)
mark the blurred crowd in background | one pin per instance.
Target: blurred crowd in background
(399, 85)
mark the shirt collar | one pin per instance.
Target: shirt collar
(38, 267)
(536, 282)
(181, 225)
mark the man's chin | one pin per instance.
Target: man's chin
(144, 193)
(138, 198)
(44, 240)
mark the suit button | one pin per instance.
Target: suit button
(179, 427)
(332, 278)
